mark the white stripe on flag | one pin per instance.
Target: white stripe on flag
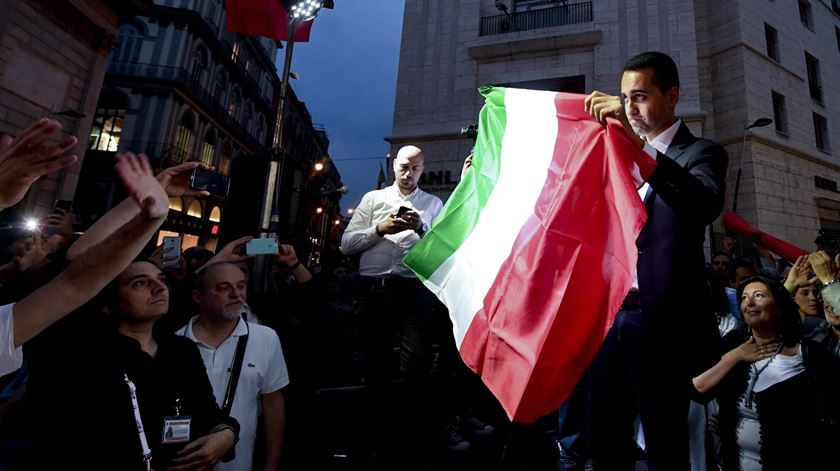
(527, 151)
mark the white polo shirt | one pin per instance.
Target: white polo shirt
(263, 372)
(11, 358)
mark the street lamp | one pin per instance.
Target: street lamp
(319, 166)
(759, 123)
(301, 11)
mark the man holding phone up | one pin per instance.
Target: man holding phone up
(385, 226)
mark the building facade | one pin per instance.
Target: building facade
(53, 57)
(739, 61)
(179, 88)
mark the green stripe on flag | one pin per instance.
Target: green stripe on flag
(460, 214)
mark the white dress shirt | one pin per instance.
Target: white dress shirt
(382, 256)
(10, 357)
(659, 143)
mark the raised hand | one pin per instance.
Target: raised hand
(136, 174)
(602, 106)
(824, 267)
(176, 180)
(286, 256)
(25, 159)
(799, 275)
(30, 255)
(467, 165)
(233, 252)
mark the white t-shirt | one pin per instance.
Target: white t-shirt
(10, 357)
(263, 372)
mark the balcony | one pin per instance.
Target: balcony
(536, 19)
(161, 155)
(178, 77)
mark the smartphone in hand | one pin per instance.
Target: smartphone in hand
(171, 252)
(207, 180)
(265, 246)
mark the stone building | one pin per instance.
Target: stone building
(179, 87)
(739, 61)
(53, 57)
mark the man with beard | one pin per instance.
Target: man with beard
(244, 362)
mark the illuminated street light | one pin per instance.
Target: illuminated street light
(337, 222)
(319, 210)
(319, 166)
(350, 210)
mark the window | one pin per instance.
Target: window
(821, 132)
(184, 136)
(233, 106)
(234, 53)
(107, 126)
(805, 14)
(772, 39)
(219, 87)
(780, 113)
(812, 66)
(130, 39)
(175, 203)
(215, 214)
(199, 64)
(837, 32)
(224, 159)
(208, 149)
(528, 5)
(195, 209)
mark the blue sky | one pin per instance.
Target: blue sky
(348, 77)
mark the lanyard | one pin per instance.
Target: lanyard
(147, 453)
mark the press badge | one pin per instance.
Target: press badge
(176, 429)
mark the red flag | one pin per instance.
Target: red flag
(734, 223)
(263, 18)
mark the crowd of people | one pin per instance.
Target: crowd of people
(113, 358)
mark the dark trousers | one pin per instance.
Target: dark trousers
(397, 312)
(637, 372)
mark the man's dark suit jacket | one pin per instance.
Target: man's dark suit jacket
(685, 196)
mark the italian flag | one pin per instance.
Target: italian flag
(534, 251)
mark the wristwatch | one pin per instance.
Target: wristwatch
(422, 229)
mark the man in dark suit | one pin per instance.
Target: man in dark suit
(665, 332)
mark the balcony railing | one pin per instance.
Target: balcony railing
(535, 19)
(180, 77)
(160, 154)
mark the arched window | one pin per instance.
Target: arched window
(186, 130)
(107, 126)
(130, 37)
(215, 214)
(200, 61)
(208, 148)
(224, 159)
(233, 106)
(175, 203)
(260, 132)
(249, 117)
(195, 209)
(219, 88)
(234, 53)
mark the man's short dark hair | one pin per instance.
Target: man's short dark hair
(665, 74)
(740, 262)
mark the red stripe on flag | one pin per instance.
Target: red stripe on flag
(557, 294)
(263, 18)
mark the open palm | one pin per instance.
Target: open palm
(137, 177)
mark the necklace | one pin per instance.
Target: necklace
(754, 376)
